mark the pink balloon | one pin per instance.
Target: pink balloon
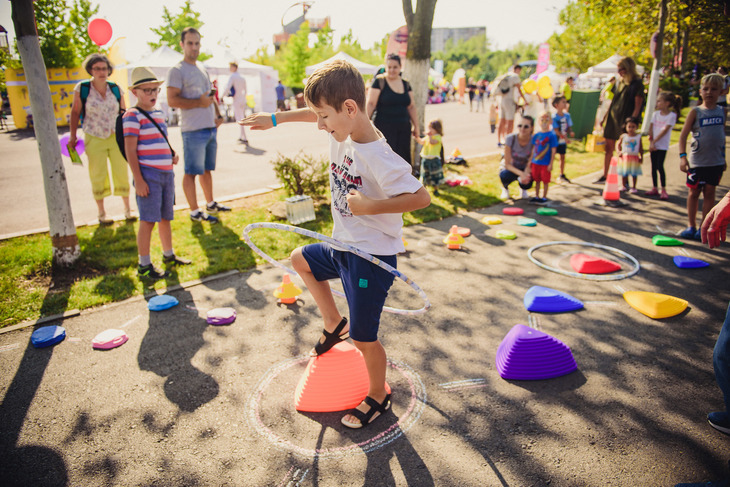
(100, 31)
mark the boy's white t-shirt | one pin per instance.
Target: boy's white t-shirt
(377, 172)
(658, 122)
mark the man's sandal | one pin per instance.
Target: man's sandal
(366, 418)
(332, 339)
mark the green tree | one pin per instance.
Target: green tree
(296, 55)
(173, 25)
(79, 17)
(597, 29)
(55, 34)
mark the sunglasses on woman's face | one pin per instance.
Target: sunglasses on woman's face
(523, 126)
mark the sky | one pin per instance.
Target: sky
(242, 26)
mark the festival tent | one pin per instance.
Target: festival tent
(364, 68)
(260, 80)
(608, 67)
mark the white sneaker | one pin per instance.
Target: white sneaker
(525, 194)
(504, 195)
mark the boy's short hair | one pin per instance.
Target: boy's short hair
(544, 113)
(713, 79)
(334, 83)
(557, 99)
(187, 30)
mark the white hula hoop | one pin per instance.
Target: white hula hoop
(349, 248)
(590, 277)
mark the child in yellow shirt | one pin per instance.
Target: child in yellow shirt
(432, 170)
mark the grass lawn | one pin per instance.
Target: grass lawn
(30, 287)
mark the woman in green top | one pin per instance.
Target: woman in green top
(628, 98)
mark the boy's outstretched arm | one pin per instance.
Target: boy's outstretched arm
(263, 120)
(360, 204)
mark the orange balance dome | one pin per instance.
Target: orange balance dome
(337, 380)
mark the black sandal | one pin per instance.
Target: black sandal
(332, 339)
(366, 418)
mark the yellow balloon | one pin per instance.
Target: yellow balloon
(529, 85)
(543, 81)
(546, 91)
(250, 102)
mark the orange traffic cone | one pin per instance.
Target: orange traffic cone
(611, 189)
(454, 240)
(334, 381)
(288, 291)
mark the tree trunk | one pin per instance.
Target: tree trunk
(418, 59)
(63, 231)
(656, 69)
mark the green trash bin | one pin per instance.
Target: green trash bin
(583, 108)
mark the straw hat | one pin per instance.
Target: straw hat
(143, 75)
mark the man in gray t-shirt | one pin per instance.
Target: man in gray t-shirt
(189, 89)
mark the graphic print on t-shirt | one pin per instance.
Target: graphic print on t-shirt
(343, 181)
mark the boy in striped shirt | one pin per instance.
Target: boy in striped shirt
(151, 158)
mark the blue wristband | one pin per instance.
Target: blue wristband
(273, 119)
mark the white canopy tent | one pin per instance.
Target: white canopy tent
(364, 68)
(595, 75)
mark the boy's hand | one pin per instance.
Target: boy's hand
(358, 203)
(258, 121)
(175, 159)
(218, 121)
(714, 227)
(141, 188)
(652, 147)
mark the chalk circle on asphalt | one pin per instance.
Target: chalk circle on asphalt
(560, 259)
(342, 245)
(270, 411)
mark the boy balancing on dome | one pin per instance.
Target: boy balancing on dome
(371, 187)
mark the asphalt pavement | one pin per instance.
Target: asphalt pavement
(187, 403)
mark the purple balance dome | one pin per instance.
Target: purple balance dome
(529, 354)
(539, 299)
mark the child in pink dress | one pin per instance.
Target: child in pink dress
(631, 154)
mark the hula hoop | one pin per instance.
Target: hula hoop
(590, 277)
(349, 248)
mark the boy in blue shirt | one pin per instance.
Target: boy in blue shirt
(544, 145)
(563, 125)
(371, 188)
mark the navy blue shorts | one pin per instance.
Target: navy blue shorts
(701, 176)
(366, 285)
(562, 148)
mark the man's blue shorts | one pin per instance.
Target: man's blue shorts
(199, 150)
(366, 285)
(158, 204)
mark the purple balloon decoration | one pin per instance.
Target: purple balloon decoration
(80, 146)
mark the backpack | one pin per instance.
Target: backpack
(84, 90)
(119, 131)
(504, 85)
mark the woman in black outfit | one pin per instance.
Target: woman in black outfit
(391, 98)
